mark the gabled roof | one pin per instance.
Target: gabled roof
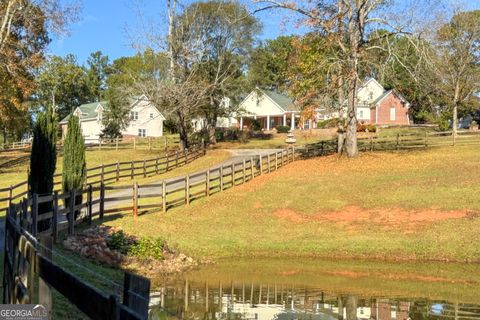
(387, 93)
(88, 110)
(283, 101)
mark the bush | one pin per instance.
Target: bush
(366, 127)
(119, 241)
(283, 129)
(443, 124)
(330, 123)
(256, 125)
(148, 247)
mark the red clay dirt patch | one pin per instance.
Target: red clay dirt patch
(387, 218)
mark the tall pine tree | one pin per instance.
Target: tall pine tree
(43, 160)
(74, 165)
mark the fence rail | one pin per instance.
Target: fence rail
(114, 172)
(28, 262)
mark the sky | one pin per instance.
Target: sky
(108, 26)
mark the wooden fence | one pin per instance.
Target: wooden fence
(114, 172)
(30, 274)
(12, 146)
(135, 143)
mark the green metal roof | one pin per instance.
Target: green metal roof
(285, 102)
(88, 110)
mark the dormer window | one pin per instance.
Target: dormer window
(134, 115)
(370, 95)
(151, 115)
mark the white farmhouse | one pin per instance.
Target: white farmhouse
(145, 119)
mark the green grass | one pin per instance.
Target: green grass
(293, 212)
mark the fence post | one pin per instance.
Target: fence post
(187, 189)
(132, 171)
(168, 160)
(144, 168)
(117, 177)
(71, 212)
(221, 178)
(55, 217)
(276, 160)
(207, 183)
(102, 201)
(10, 195)
(135, 199)
(268, 163)
(113, 308)
(252, 174)
(34, 214)
(164, 196)
(103, 173)
(136, 292)
(426, 139)
(233, 174)
(371, 143)
(89, 203)
(176, 159)
(293, 153)
(260, 164)
(44, 290)
(398, 141)
(244, 171)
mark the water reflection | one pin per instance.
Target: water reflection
(203, 300)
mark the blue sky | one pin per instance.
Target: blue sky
(104, 23)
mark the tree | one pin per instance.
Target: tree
(43, 160)
(222, 34)
(97, 73)
(456, 59)
(62, 83)
(74, 165)
(346, 25)
(25, 26)
(269, 64)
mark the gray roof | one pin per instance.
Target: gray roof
(284, 101)
(88, 110)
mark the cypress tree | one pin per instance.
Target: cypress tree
(43, 160)
(74, 166)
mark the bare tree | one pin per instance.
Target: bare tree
(349, 25)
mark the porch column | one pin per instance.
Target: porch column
(284, 119)
(268, 122)
(241, 123)
(293, 122)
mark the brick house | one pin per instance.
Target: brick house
(378, 106)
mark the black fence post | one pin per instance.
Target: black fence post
(136, 293)
(102, 200)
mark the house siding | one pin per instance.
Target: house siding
(401, 111)
(154, 127)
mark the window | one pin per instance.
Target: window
(360, 114)
(151, 115)
(142, 132)
(393, 114)
(134, 115)
(370, 95)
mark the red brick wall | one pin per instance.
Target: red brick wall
(383, 111)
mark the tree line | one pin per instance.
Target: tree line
(211, 56)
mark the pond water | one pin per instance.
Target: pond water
(311, 289)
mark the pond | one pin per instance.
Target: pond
(311, 289)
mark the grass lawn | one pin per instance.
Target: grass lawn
(419, 205)
(277, 140)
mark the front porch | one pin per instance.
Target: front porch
(269, 122)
